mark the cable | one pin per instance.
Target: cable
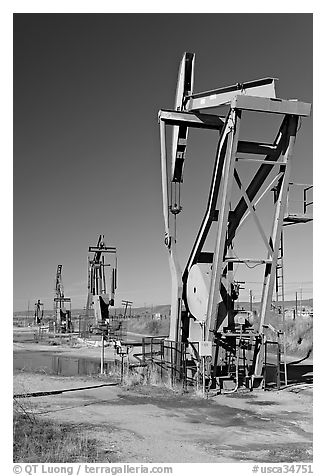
(57, 392)
(68, 408)
(250, 267)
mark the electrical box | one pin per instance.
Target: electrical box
(205, 348)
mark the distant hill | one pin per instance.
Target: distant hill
(163, 309)
(287, 304)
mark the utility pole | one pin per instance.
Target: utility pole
(104, 330)
(296, 305)
(301, 302)
(250, 298)
(127, 304)
(102, 354)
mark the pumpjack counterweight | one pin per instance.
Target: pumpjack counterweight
(204, 293)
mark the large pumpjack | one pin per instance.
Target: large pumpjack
(246, 174)
(62, 305)
(100, 296)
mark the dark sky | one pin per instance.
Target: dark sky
(87, 89)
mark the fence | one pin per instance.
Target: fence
(181, 363)
(172, 359)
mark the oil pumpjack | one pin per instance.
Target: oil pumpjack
(62, 313)
(245, 173)
(39, 312)
(98, 299)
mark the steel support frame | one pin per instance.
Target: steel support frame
(227, 229)
(275, 238)
(280, 154)
(224, 192)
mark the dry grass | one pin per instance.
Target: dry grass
(299, 334)
(147, 325)
(149, 375)
(300, 337)
(37, 440)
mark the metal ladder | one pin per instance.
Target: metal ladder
(279, 291)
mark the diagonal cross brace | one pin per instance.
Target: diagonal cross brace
(261, 196)
(252, 210)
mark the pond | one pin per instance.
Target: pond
(56, 364)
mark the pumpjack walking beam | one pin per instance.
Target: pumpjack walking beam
(214, 268)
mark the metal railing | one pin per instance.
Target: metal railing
(172, 359)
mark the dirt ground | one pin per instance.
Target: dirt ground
(155, 424)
